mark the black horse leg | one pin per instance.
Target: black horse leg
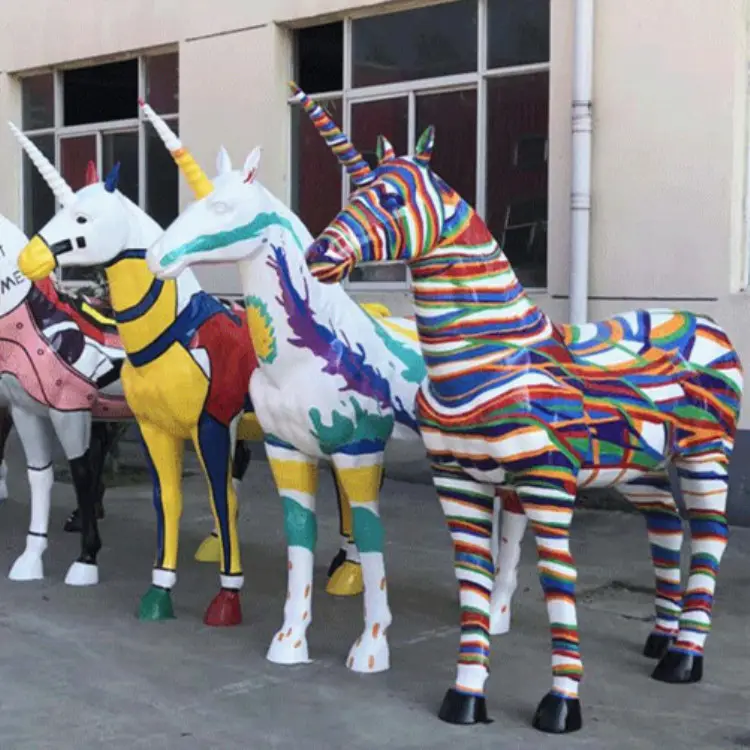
(101, 442)
(86, 487)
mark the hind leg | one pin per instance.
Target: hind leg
(704, 484)
(6, 425)
(652, 495)
(213, 444)
(34, 432)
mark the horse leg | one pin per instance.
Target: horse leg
(506, 559)
(468, 509)
(164, 454)
(6, 425)
(213, 443)
(100, 445)
(296, 477)
(360, 477)
(704, 485)
(73, 430)
(345, 570)
(209, 550)
(550, 511)
(34, 432)
(652, 495)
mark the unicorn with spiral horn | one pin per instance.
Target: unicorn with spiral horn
(334, 384)
(513, 399)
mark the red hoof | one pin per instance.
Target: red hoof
(224, 610)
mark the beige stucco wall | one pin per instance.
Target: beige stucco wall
(670, 125)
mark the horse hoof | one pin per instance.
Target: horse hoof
(82, 574)
(558, 715)
(346, 580)
(336, 563)
(27, 568)
(209, 550)
(224, 610)
(657, 644)
(463, 708)
(679, 667)
(156, 604)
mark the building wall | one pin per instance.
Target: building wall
(670, 128)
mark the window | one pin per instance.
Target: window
(476, 69)
(91, 113)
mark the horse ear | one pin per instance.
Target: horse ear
(92, 176)
(223, 162)
(425, 145)
(111, 180)
(385, 150)
(251, 165)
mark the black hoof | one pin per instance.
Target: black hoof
(337, 562)
(462, 708)
(679, 667)
(657, 644)
(558, 715)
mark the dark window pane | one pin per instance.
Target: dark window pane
(38, 101)
(422, 43)
(162, 179)
(316, 175)
(162, 83)
(320, 58)
(123, 148)
(518, 112)
(517, 32)
(75, 155)
(38, 199)
(454, 115)
(101, 93)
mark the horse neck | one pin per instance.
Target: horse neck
(465, 291)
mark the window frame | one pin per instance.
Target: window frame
(443, 84)
(59, 131)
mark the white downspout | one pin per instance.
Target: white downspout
(583, 68)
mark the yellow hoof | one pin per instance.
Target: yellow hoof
(209, 550)
(346, 580)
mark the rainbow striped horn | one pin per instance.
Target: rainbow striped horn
(52, 177)
(195, 176)
(348, 156)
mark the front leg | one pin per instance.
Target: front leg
(296, 477)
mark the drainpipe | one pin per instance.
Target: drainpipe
(580, 204)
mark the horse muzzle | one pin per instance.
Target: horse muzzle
(37, 261)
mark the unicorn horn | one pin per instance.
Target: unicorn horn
(358, 169)
(195, 176)
(52, 177)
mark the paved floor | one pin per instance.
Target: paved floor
(79, 671)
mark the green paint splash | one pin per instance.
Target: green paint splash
(371, 431)
(416, 369)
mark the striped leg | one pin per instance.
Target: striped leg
(360, 477)
(703, 481)
(296, 477)
(345, 571)
(506, 559)
(164, 454)
(652, 495)
(550, 511)
(468, 509)
(214, 444)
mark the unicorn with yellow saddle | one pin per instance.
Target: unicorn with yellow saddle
(333, 383)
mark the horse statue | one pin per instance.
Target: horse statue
(513, 399)
(185, 375)
(350, 380)
(59, 369)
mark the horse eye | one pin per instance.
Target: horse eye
(392, 201)
(81, 219)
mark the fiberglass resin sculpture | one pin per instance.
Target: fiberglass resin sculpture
(512, 398)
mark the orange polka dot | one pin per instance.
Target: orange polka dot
(307, 591)
(371, 662)
(375, 630)
(504, 609)
(288, 632)
(382, 583)
(297, 644)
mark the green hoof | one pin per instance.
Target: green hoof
(156, 604)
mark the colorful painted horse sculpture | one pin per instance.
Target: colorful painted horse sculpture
(186, 374)
(515, 399)
(60, 367)
(353, 378)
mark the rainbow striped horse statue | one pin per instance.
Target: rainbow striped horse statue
(349, 382)
(59, 369)
(189, 361)
(512, 398)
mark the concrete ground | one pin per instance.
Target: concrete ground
(78, 671)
